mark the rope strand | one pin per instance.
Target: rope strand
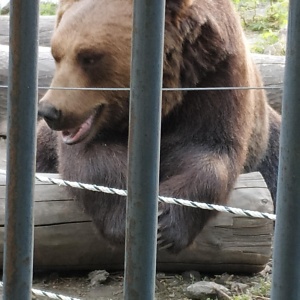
(49, 295)
(168, 200)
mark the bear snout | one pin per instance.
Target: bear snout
(51, 115)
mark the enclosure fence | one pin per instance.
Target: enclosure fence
(139, 265)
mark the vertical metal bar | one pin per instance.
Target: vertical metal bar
(286, 273)
(144, 144)
(22, 98)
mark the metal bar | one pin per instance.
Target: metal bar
(144, 144)
(286, 273)
(22, 99)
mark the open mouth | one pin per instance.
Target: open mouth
(76, 135)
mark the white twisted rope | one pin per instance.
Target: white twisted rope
(169, 200)
(49, 295)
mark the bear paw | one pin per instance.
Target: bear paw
(175, 231)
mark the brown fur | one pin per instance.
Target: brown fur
(208, 137)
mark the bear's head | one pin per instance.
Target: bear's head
(91, 46)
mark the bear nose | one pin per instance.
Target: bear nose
(50, 113)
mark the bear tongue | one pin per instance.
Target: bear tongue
(76, 135)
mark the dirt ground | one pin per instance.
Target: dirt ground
(168, 286)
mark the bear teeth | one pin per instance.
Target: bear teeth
(78, 134)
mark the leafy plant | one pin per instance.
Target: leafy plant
(265, 17)
(274, 19)
(259, 290)
(48, 8)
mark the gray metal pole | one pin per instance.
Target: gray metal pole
(286, 273)
(22, 99)
(144, 144)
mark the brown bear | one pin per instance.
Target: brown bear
(208, 137)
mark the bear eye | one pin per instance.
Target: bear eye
(88, 60)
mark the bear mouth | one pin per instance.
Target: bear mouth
(78, 134)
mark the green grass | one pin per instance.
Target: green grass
(259, 290)
(48, 8)
(266, 18)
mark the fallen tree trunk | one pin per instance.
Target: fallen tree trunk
(45, 72)
(66, 240)
(46, 26)
(272, 68)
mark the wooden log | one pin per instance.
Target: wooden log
(45, 72)
(272, 68)
(46, 65)
(4, 30)
(66, 240)
(46, 26)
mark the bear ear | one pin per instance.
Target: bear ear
(181, 5)
(178, 8)
(63, 6)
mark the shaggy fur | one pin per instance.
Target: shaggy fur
(208, 137)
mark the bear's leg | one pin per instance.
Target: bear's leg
(269, 165)
(46, 154)
(101, 164)
(204, 177)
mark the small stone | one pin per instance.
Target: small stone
(160, 275)
(266, 271)
(191, 275)
(202, 290)
(98, 277)
(238, 287)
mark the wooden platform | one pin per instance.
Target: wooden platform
(66, 240)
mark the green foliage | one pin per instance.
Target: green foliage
(274, 16)
(274, 19)
(259, 290)
(48, 8)
(242, 297)
(267, 38)
(266, 18)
